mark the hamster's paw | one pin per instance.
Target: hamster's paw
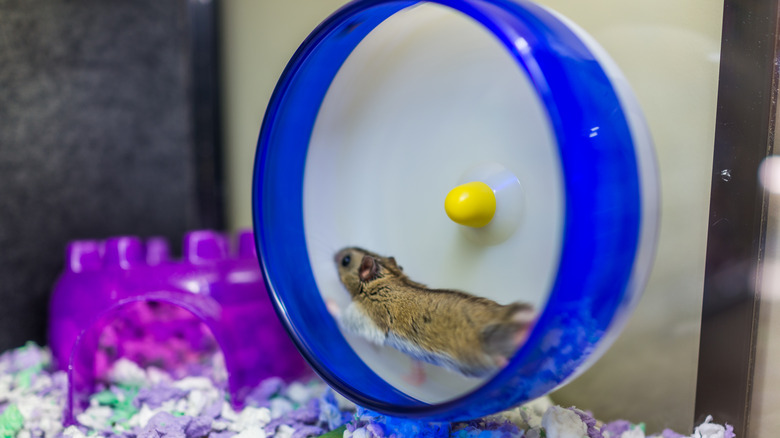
(524, 315)
(500, 361)
(416, 374)
(525, 319)
(333, 308)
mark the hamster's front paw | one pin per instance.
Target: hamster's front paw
(333, 308)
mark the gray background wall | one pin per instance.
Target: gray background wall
(96, 138)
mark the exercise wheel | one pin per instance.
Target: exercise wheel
(388, 109)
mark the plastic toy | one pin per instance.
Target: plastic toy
(390, 105)
(472, 204)
(121, 298)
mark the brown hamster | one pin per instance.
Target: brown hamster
(471, 335)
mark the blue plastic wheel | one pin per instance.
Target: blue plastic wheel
(387, 106)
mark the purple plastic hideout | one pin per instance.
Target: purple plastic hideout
(125, 298)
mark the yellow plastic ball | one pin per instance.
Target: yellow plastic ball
(472, 204)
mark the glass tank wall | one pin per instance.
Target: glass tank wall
(669, 50)
(764, 415)
(765, 399)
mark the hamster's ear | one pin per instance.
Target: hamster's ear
(368, 268)
(394, 263)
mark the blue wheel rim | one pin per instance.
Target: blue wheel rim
(603, 206)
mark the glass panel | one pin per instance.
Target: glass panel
(765, 400)
(669, 52)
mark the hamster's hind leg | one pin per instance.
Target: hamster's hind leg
(416, 375)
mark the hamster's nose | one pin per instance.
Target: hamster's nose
(472, 204)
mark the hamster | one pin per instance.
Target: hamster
(471, 335)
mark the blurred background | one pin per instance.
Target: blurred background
(105, 129)
(140, 118)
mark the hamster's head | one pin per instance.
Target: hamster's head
(358, 268)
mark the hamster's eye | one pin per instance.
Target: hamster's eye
(345, 261)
